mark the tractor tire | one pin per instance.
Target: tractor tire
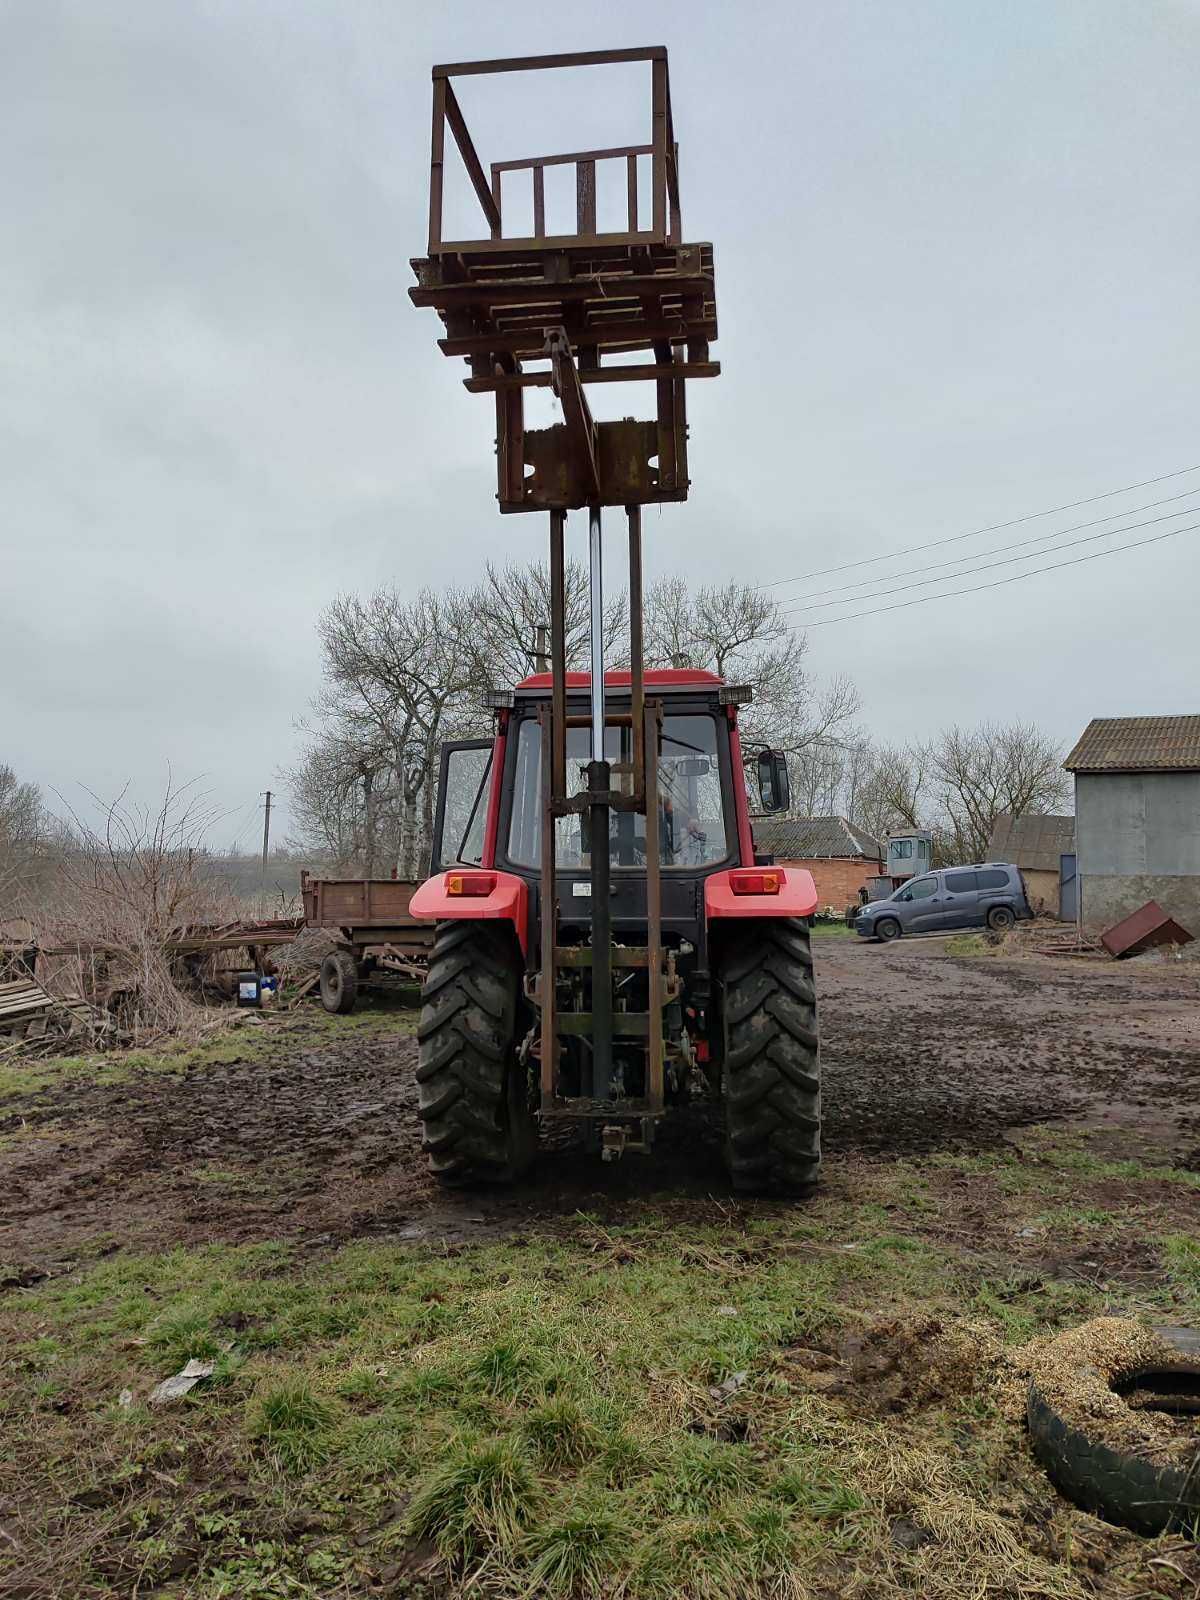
(1119, 1485)
(339, 982)
(1001, 918)
(772, 1073)
(472, 1091)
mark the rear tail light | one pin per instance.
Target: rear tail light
(476, 884)
(755, 882)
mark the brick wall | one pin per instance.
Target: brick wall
(838, 880)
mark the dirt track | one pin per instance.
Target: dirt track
(923, 1052)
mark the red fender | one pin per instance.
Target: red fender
(796, 897)
(506, 900)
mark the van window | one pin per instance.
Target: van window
(921, 889)
(961, 882)
(993, 879)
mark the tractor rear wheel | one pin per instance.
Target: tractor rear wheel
(471, 1089)
(772, 1077)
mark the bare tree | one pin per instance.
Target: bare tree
(25, 829)
(743, 635)
(891, 793)
(398, 681)
(979, 774)
(499, 619)
(125, 889)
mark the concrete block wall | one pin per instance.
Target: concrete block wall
(1138, 839)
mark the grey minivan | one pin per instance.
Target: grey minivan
(990, 895)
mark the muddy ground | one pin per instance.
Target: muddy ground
(924, 1052)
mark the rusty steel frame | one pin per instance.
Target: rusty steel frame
(644, 720)
(574, 301)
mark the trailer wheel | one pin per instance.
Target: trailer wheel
(472, 1093)
(339, 982)
(772, 1076)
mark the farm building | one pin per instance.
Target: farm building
(1037, 845)
(840, 856)
(1137, 817)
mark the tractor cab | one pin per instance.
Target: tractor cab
(491, 803)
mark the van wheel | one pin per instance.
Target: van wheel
(887, 929)
(1000, 918)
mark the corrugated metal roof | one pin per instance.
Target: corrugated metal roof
(812, 838)
(1034, 842)
(1137, 744)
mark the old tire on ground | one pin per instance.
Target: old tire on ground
(1000, 918)
(339, 982)
(772, 1076)
(472, 1091)
(1115, 1484)
(887, 929)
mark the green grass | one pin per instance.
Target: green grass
(1182, 1256)
(967, 944)
(822, 929)
(538, 1415)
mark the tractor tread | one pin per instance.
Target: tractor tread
(470, 1087)
(772, 1060)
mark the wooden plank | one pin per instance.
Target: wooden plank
(16, 1008)
(631, 192)
(615, 285)
(576, 58)
(539, 202)
(622, 374)
(630, 150)
(466, 149)
(529, 341)
(437, 153)
(585, 196)
(659, 130)
(552, 241)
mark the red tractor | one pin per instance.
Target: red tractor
(694, 980)
(607, 946)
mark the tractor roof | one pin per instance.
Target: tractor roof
(663, 678)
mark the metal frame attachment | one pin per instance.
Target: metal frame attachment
(575, 303)
(564, 310)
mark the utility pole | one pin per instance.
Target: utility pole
(266, 834)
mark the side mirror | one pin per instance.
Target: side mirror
(774, 789)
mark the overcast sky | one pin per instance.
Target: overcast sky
(957, 250)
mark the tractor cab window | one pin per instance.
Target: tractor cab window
(691, 811)
(465, 771)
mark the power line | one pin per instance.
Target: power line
(922, 583)
(998, 583)
(1019, 544)
(251, 814)
(992, 527)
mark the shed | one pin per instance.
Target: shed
(1137, 817)
(840, 856)
(1037, 845)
